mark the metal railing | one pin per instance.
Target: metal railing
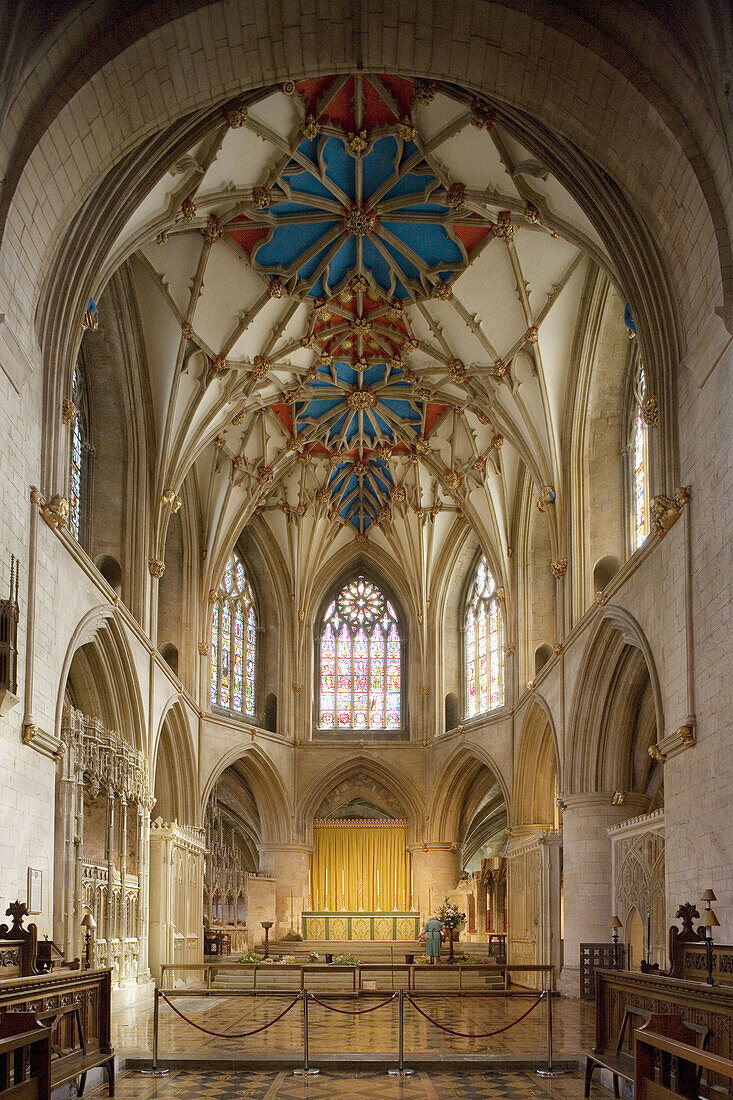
(304, 995)
(357, 972)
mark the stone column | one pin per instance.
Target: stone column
(436, 870)
(588, 906)
(289, 865)
(123, 886)
(111, 930)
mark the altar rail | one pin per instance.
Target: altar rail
(617, 990)
(351, 979)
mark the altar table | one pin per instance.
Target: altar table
(361, 926)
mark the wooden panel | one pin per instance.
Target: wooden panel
(696, 1002)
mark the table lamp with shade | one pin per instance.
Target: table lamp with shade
(707, 897)
(709, 921)
(615, 925)
(88, 923)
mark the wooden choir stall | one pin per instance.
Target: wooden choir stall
(55, 1022)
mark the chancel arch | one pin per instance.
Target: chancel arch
(266, 783)
(367, 778)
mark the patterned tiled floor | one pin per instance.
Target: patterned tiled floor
(372, 1035)
(205, 1085)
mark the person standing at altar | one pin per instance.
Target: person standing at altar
(433, 933)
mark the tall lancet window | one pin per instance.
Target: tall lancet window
(360, 661)
(233, 641)
(638, 450)
(484, 644)
(79, 454)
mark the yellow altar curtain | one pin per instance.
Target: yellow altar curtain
(363, 868)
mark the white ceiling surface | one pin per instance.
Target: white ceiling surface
(536, 278)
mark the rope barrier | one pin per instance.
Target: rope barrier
(466, 1035)
(358, 1012)
(228, 1035)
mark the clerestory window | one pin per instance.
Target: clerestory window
(233, 641)
(484, 644)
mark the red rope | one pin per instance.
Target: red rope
(348, 1012)
(465, 1035)
(230, 1035)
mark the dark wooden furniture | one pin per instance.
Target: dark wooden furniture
(18, 945)
(25, 1058)
(76, 1006)
(687, 952)
(594, 955)
(700, 1005)
(217, 943)
(618, 1059)
(659, 1040)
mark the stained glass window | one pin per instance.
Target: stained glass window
(360, 661)
(233, 641)
(484, 644)
(640, 519)
(79, 453)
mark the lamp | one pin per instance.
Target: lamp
(709, 921)
(615, 925)
(267, 925)
(88, 923)
(707, 897)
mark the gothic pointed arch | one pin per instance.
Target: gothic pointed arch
(467, 768)
(616, 710)
(386, 785)
(536, 781)
(174, 772)
(268, 788)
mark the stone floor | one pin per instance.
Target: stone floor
(338, 1037)
(433, 1085)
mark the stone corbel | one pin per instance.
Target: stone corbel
(7, 702)
(46, 743)
(674, 743)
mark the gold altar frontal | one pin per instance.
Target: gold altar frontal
(361, 926)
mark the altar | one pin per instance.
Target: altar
(343, 926)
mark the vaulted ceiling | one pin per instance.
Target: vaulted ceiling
(359, 298)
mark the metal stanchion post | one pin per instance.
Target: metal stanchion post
(401, 1071)
(306, 1071)
(155, 1070)
(550, 1070)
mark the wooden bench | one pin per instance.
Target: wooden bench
(665, 1040)
(25, 1058)
(76, 1005)
(619, 1061)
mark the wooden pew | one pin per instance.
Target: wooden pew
(25, 1058)
(666, 1038)
(76, 1005)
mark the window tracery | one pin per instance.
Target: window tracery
(233, 641)
(484, 644)
(360, 661)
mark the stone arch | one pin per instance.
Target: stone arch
(99, 676)
(174, 777)
(453, 786)
(616, 710)
(407, 801)
(268, 788)
(537, 768)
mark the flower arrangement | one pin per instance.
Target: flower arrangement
(346, 959)
(250, 956)
(289, 959)
(313, 957)
(450, 914)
